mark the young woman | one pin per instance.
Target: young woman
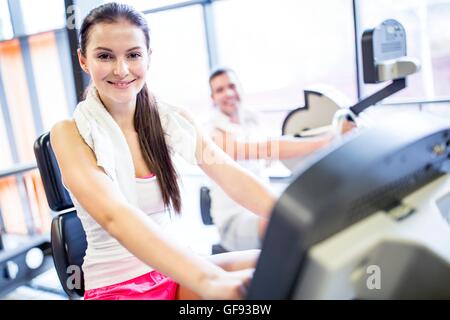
(129, 254)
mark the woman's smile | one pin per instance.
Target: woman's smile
(121, 84)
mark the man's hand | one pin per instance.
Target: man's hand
(347, 126)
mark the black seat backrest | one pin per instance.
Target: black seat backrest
(205, 210)
(68, 249)
(205, 206)
(68, 238)
(57, 196)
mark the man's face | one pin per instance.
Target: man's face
(225, 93)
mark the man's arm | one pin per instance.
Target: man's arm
(272, 148)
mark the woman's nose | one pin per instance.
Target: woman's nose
(121, 68)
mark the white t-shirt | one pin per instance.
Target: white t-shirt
(106, 261)
(228, 215)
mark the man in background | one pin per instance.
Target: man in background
(236, 130)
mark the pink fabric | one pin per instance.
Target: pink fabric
(151, 175)
(150, 286)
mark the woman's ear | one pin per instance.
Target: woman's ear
(82, 61)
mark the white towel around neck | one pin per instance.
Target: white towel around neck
(103, 135)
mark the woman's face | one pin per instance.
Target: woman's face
(117, 60)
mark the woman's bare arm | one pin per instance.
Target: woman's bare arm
(240, 184)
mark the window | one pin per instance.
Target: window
(427, 28)
(6, 31)
(18, 98)
(5, 155)
(179, 63)
(11, 207)
(49, 79)
(278, 48)
(43, 15)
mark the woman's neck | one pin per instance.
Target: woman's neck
(123, 114)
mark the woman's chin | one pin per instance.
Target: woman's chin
(123, 97)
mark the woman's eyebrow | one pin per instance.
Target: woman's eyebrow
(106, 49)
(103, 49)
(134, 48)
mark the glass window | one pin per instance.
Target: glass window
(18, 98)
(427, 28)
(11, 206)
(179, 63)
(37, 202)
(5, 155)
(6, 30)
(49, 79)
(43, 15)
(278, 48)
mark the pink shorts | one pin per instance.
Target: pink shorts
(149, 286)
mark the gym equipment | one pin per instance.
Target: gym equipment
(367, 219)
(384, 59)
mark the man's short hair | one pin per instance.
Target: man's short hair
(219, 71)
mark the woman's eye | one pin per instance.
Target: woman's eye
(104, 56)
(135, 55)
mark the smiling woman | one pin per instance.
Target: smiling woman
(114, 61)
(120, 133)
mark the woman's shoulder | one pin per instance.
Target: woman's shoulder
(64, 131)
(64, 126)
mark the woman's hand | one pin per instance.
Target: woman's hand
(228, 285)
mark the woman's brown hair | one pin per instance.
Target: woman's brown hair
(147, 122)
